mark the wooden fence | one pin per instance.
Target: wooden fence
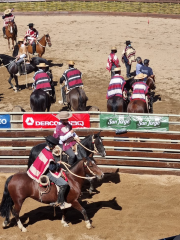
(132, 152)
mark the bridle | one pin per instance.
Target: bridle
(93, 142)
(47, 42)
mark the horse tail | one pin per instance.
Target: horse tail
(16, 50)
(82, 100)
(114, 104)
(7, 202)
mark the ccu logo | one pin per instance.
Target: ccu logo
(29, 121)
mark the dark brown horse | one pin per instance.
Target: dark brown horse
(10, 33)
(41, 45)
(116, 104)
(139, 106)
(20, 186)
(77, 99)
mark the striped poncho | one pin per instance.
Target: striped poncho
(116, 86)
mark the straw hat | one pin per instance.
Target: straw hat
(116, 69)
(21, 39)
(42, 65)
(7, 11)
(114, 48)
(71, 62)
(63, 115)
(140, 76)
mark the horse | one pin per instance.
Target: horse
(10, 33)
(20, 186)
(40, 101)
(10, 64)
(139, 106)
(116, 104)
(77, 99)
(41, 45)
(91, 142)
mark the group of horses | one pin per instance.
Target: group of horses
(119, 104)
(20, 186)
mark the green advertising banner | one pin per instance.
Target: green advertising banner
(154, 123)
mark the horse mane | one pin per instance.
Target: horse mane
(42, 37)
(6, 57)
(75, 164)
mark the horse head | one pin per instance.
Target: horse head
(11, 27)
(151, 83)
(99, 145)
(48, 40)
(92, 169)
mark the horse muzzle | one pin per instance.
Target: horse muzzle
(100, 177)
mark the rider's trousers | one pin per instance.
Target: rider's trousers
(71, 154)
(58, 181)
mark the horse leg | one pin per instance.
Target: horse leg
(15, 212)
(91, 189)
(78, 207)
(12, 43)
(9, 80)
(63, 222)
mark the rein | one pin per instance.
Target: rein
(8, 63)
(78, 175)
(41, 44)
(96, 151)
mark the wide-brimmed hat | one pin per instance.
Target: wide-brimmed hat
(116, 69)
(7, 11)
(128, 42)
(114, 48)
(30, 24)
(42, 65)
(71, 62)
(140, 76)
(21, 39)
(63, 115)
(52, 140)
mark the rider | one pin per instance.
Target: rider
(66, 135)
(42, 79)
(128, 56)
(72, 77)
(8, 17)
(113, 61)
(45, 164)
(140, 89)
(138, 65)
(23, 53)
(116, 85)
(147, 70)
(32, 35)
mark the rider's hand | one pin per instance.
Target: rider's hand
(59, 162)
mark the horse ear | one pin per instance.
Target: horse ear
(97, 134)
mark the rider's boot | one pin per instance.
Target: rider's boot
(19, 70)
(34, 49)
(61, 199)
(64, 101)
(4, 32)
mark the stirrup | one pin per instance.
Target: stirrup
(61, 205)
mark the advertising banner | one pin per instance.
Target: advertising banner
(155, 123)
(50, 120)
(5, 121)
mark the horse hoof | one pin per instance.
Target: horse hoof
(88, 224)
(24, 229)
(64, 223)
(5, 223)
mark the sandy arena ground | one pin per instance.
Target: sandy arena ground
(127, 206)
(87, 40)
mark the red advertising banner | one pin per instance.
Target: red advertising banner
(50, 120)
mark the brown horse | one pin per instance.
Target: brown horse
(139, 106)
(116, 104)
(41, 45)
(20, 186)
(10, 33)
(77, 99)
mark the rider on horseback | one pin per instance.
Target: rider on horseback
(8, 17)
(72, 77)
(42, 79)
(23, 53)
(113, 61)
(147, 70)
(32, 35)
(138, 65)
(45, 164)
(66, 135)
(116, 85)
(128, 56)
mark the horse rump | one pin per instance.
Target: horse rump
(40, 101)
(137, 106)
(7, 202)
(115, 104)
(82, 100)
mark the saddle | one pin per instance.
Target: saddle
(67, 91)
(58, 152)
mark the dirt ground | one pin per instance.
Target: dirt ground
(87, 40)
(125, 207)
